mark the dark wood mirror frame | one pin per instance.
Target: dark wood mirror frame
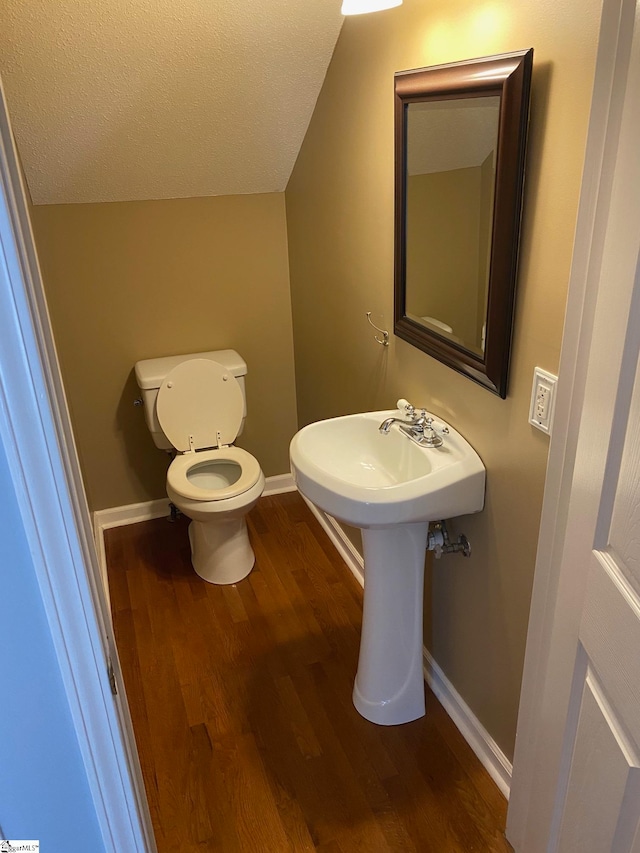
(509, 77)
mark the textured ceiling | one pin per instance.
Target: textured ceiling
(115, 100)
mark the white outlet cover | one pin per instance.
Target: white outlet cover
(544, 382)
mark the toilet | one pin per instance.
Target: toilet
(196, 405)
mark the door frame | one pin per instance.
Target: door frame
(554, 613)
(35, 430)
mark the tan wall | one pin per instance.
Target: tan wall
(340, 219)
(443, 216)
(134, 280)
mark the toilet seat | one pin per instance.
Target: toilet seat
(200, 407)
(188, 463)
(200, 404)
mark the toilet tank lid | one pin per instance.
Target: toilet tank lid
(150, 372)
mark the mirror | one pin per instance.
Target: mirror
(460, 133)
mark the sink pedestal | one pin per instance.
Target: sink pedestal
(389, 686)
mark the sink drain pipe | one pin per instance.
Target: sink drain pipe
(438, 541)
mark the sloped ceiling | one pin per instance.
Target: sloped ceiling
(115, 100)
(445, 135)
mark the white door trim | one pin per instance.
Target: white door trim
(36, 433)
(529, 793)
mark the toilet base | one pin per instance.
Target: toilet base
(220, 551)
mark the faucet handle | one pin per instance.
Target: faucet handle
(405, 406)
(431, 437)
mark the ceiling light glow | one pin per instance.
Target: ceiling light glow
(360, 7)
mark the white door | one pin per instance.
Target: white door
(576, 784)
(36, 431)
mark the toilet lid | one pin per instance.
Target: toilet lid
(200, 404)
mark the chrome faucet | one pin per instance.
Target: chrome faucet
(385, 426)
(418, 428)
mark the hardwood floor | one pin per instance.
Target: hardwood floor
(241, 704)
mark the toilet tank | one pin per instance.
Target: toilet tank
(150, 374)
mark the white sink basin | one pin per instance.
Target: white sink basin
(392, 488)
(349, 469)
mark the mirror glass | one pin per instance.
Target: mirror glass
(460, 143)
(451, 161)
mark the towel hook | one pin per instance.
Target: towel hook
(385, 335)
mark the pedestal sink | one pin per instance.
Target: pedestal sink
(391, 488)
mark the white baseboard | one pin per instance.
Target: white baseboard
(341, 541)
(484, 746)
(492, 758)
(118, 516)
(278, 485)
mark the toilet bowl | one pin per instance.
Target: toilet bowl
(199, 405)
(216, 490)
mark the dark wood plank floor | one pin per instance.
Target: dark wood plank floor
(241, 704)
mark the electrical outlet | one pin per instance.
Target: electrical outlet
(543, 399)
